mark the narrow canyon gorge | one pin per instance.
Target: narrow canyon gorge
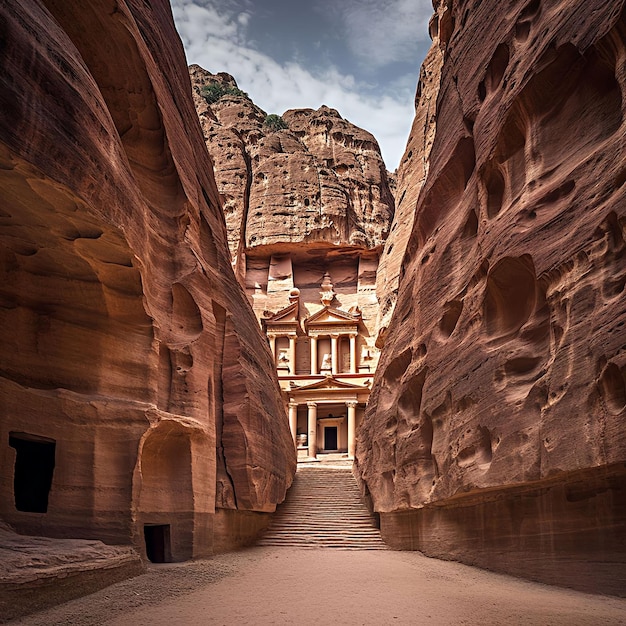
(195, 295)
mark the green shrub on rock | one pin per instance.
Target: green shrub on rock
(214, 91)
(275, 122)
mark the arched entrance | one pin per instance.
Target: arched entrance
(174, 492)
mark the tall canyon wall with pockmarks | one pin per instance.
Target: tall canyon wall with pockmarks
(131, 359)
(495, 429)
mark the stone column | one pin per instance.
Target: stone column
(313, 355)
(293, 420)
(292, 356)
(351, 428)
(312, 427)
(352, 354)
(334, 352)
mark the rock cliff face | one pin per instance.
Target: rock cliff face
(495, 430)
(138, 397)
(411, 172)
(320, 181)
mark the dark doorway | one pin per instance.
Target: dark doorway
(157, 538)
(330, 438)
(34, 466)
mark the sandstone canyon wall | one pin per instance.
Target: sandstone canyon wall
(317, 179)
(495, 430)
(137, 394)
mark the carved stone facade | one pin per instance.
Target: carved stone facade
(308, 209)
(322, 341)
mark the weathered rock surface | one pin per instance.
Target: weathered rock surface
(37, 572)
(131, 359)
(495, 430)
(321, 181)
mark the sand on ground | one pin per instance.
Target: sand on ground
(261, 586)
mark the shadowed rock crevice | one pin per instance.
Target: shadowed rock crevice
(445, 195)
(509, 296)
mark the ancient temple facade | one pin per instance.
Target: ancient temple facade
(318, 314)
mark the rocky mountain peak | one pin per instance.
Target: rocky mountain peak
(308, 178)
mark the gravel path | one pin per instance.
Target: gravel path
(262, 586)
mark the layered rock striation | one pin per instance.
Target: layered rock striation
(314, 180)
(139, 400)
(495, 429)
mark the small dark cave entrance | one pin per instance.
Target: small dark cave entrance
(158, 547)
(34, 467)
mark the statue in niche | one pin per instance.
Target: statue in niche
(327, 362)
(283, 360)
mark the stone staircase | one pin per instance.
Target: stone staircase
(323, 509)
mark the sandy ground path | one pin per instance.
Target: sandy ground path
(262, 586)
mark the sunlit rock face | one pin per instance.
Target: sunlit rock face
(495, 430)
(320, 181)
(131, 360)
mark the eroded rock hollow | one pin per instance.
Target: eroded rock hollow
(139, 402)
(495, 429)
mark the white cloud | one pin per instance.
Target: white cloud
(216, 40)
(244, 18)
(379, 32)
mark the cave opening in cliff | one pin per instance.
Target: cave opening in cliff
(34, 467)
(157, 538)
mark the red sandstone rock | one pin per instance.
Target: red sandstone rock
(127, 344)
(495, 430)
(37, 572)
(320, 181)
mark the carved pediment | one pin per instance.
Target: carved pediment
(285, 319)
(330, 316)
(330, 382)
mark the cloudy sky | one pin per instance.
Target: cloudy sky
(361, 57)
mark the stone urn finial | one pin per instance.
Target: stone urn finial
(294, 295)
(327, 294)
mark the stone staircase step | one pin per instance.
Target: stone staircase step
(323, 509)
